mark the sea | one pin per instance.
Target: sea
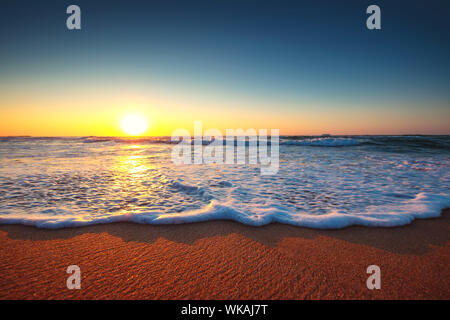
(326, 182)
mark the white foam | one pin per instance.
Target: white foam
(404, 212)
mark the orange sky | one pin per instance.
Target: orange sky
(80, 110)
(43, 114)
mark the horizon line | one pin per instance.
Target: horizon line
(325, 135)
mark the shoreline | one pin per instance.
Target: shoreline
(226, 260)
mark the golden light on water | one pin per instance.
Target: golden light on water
(134, 124)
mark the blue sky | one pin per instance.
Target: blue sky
(285, 57)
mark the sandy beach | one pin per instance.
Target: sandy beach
(226, 260)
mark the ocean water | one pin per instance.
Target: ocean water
(322, 182)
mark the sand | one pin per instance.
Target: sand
(226, 260)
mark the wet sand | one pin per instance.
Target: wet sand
(226, 260)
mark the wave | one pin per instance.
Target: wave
(397, 143)
(403, 142)
(404, 212)
(323, 142)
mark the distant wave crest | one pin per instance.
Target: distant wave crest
(404, 142)
(324, 142)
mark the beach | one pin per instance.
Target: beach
(224, 150)
(226, 260)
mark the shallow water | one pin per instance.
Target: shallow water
(321, 183)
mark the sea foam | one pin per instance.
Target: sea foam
(421, 207)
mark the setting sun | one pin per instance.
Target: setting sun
(134, 124)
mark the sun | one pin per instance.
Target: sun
(134, 124)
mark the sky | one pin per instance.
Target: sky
(304, 67)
